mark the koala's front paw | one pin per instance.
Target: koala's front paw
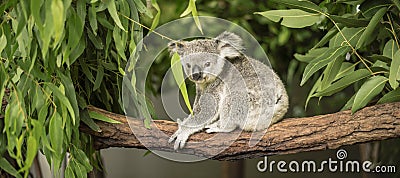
(180, 136)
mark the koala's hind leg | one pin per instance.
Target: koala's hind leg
(224, 123)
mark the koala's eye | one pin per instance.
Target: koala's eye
(207, 64)
(188, 65)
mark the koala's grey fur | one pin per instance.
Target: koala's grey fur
(232, 89)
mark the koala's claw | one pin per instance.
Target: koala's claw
(173, 137)
(179, 136)
(180, 141)
(212, 130)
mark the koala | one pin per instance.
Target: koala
(232, 90)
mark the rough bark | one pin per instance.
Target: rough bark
(291, 135)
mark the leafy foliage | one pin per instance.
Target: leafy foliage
(361, 47)
(57, 57)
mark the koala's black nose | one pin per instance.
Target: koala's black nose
(196, 76)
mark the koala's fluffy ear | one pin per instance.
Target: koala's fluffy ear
(176, 46)
(230, 45)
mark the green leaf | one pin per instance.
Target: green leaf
(63, 99)
(113, 12)
(317, 85)
(349, 21)
(176, 68)
(96, 41)
(57, 11)
(3, 42)
(196, 16)
(331, 33)
(346, 69)
(370, 8)
(35, 6)
(69, 172)
(394, 73)
(303, 4)
(6, 166)
(32, 145)
(380, 64)
(192, 8)
(330, 72)
(142, 8)
(93, 19)
(392, 96)
(390, 48)
(81, 157)
(157, 17)
(102, 117)
(344, 82)
(351, 35)
(3, 80)
(78, 169)
(368, 90)
(119, 42)
(70, 92)
(99, 77)
(89, 121)
(311, 54)
(293, 18)
(86, 71)
(56, 134)
(371, 27)
(322, 61)
(15, 114)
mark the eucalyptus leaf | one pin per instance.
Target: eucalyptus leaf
(311, 54)
(102, 117)
(322, 61)
(368, 91)
(344, 82)
(293, 18)
(6, 166)
(56, 134)
(64, 100)
(394, 74)
(392, 96)
(390, 49)
(371, 27)
(176, 68)
(113, 12)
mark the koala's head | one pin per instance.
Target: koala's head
(203, 60)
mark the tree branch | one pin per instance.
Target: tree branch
(292, 135)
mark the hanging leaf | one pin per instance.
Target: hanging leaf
(191, 8)
(371, 27)
(63, 99)
(113, 12)
(6, 166)
(394, 74)
(176, 68)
